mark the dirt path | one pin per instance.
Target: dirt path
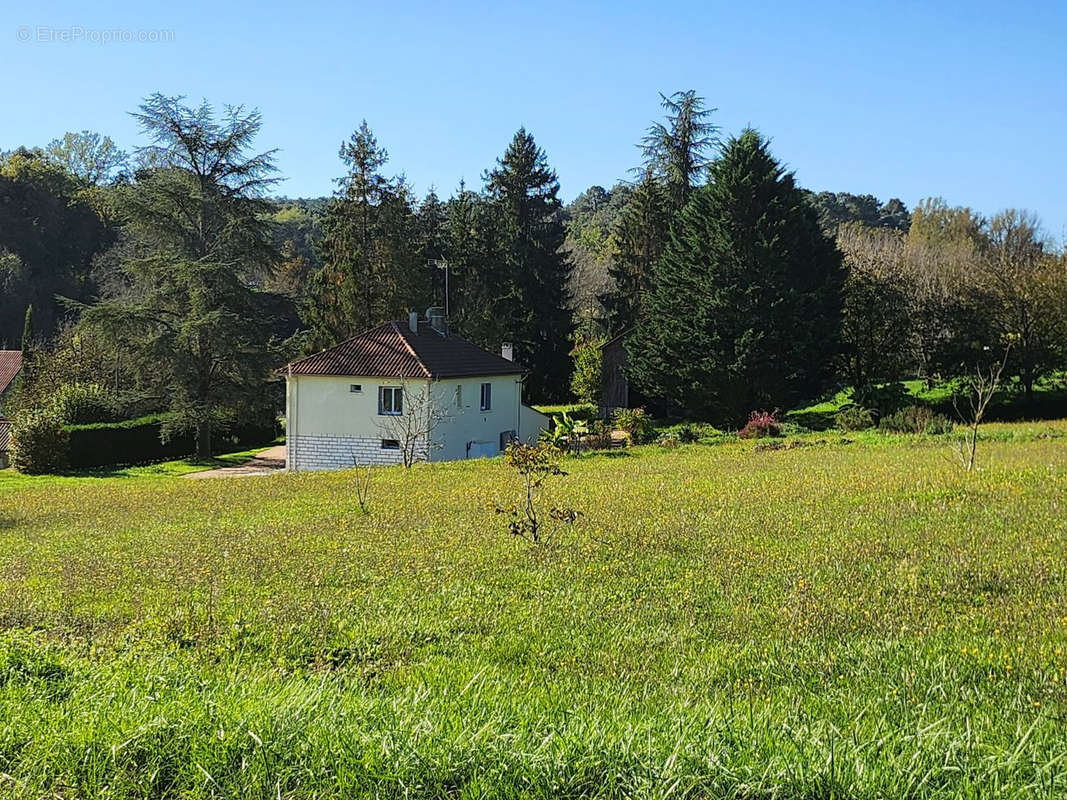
(269, 461)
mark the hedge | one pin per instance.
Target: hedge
(137, 441)
(133, 441)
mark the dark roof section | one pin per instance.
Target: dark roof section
(10, 364)
(5, 435)
(393, 351)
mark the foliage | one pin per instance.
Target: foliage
(81, 403)
(677, 152)
(882, 399)
(641, 233)
(637, 423)
(916, 419)
(38, 441)
(371, 270)
(568, 432)
(134, 441)
(854, 418)
(185, 308)
(583, 411)
(534, 463)
(746, 305)
(668, 440)
(689, 432)
(530, 287)
(91, 157)
(586, 378)
(761, 424)
(50, 235)
(840, 209)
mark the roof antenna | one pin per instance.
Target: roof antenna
(441, 263)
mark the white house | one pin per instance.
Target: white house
(404, 389)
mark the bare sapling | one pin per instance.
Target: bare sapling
(979, 388)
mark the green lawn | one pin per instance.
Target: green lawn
(852, 618)
(9, 479)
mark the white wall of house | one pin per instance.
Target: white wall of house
(331, 426)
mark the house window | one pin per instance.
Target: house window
(459, 395)
(391, 400)
(355, 388)
(487, 396)
(390, 444)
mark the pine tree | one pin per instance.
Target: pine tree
(530, 295)
(370, 272)
(745, 312)
(640, 236)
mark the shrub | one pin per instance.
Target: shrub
(39, 442)
(582, 411)
(637, 423)
(585, 380)
(854, 418)
(134, 441)
(916, 419)
(668, 440)
(882, 399)
(83, 403)
(761, 424)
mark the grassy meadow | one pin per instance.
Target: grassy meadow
(850, 618)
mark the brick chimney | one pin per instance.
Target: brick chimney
(507, 351)
(413, 321)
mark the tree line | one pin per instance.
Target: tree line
(172, 278)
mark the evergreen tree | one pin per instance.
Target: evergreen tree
(640, 236)
(368, 248)
(530, 295)
(745, 312)
(472, 242)
(198, 333)
(678, 152)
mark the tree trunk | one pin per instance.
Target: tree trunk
(203, 440)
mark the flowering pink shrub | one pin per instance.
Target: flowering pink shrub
(760, 424)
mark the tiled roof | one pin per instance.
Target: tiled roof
(10, 364)
(392, 350)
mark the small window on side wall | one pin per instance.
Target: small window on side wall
(459, 395)
(487, 397)
(390, 444)
(355, 388)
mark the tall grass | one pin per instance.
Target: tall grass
(840, 620)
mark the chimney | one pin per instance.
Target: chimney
(507, 351)
(436, 316)
(413, 321)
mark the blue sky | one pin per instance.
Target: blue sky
(907, 99)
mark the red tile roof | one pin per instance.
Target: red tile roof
(392, 350)
(10, 364)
